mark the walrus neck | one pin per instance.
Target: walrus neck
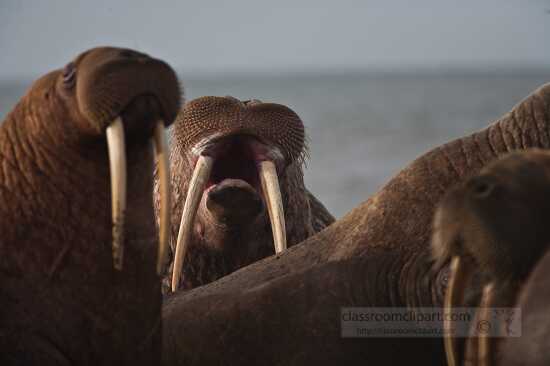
(33, 153)
(45, 116)
(205, 264)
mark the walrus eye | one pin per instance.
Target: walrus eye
(69, 73)
(481, 188)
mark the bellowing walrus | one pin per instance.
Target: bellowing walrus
(237, 166)
(78, 254)
(285, 309)
(496, 224)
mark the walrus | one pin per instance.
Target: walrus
(494, 224)
(238, 188)
(286, 309)
(533, 298)
(78, 247)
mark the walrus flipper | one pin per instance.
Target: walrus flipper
(320, 216)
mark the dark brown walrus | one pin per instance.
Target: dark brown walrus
(74, 289)
(286, 309)
(534, 301)
(496, 225)
(242, 164)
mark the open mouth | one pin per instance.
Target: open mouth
(235, 158)
(236, 161)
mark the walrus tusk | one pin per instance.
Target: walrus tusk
(161, 153)
(484, 339)
(453, 296)
(201, 174)
(117, 162)
(272, 194)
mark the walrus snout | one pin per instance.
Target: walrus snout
(109, 80)
(207, 118)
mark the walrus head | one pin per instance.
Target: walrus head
(112, 92)
(240, 161)
(495, 224)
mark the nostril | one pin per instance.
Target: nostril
(68, 74)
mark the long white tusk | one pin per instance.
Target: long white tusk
(194, 194)
(484, 339)
(117, 162)
(272, 194)
(161, 153)
(453, 296)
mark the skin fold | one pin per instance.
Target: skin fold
(232, 227)
(61, 300)
(285, 309)
(496, 222)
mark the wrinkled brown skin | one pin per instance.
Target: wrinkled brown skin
(377, 255)
(497, 223)
(219, 248)
(61, 300)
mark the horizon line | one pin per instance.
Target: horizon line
(420, 70)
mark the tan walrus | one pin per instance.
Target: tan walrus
(286, 309)
(495, 225)
(78, 245)
(238, 187)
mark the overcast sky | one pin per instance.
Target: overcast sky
(241, 35)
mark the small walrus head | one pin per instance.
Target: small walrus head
(498, 219)
(107, 92)
(240, 164)
(495, 226)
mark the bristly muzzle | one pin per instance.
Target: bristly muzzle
(110, 79)
(213, 117)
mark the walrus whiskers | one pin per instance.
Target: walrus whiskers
(117, 160)
(161, 152)
(201, 174)
(272, 194)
